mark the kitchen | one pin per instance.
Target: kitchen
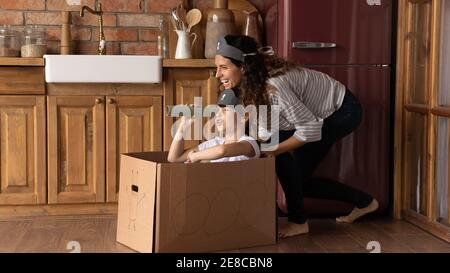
(380, 49)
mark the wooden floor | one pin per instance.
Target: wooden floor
(97, 234)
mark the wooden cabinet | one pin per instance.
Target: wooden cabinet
(21, 80)
(86, 136)
(61, 143)
(134, 124)
(181, 86)
(76, 149)
(22, 150)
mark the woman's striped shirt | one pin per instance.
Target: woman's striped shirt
(305, 98)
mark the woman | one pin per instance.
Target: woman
(315, 112)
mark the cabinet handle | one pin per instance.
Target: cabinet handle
(98, 101)
(309, 45)
(111, 101)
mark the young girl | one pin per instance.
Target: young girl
(231, 145)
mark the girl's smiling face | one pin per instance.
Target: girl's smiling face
(228, 73)
(230, 123)
(225, 116)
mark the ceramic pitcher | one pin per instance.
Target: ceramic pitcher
(184, 45)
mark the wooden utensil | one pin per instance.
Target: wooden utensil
(193, 17)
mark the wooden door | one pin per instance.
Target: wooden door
(441, 113)
(22, 150)
(182, 87)
(422, 114)
(134, 124)
(76, 149)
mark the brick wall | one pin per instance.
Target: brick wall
(130, 26)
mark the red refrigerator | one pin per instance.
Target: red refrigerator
(351, 41)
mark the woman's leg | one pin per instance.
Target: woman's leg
(291, 180)
(341, 123)
(294, 169)
(308, 158)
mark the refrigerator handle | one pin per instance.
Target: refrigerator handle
(310, 45)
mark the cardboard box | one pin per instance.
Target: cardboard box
(203, 207)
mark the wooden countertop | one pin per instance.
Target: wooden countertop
(18, 61)
(188, 63)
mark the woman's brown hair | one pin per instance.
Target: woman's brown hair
(258, 68)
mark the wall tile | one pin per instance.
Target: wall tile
(161, 6)
(130, 25)
(116, 34)
(138, 20)
(11, 18)
(141, 48)
(62, 5)
(123, 5)
(22, 4)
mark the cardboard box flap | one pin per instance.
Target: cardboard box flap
(157, 157)
(137, 203)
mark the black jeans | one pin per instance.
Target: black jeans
(295, 168)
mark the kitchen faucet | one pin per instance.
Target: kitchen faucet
(99, 12)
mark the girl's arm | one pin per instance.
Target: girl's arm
(177, 154)
(221, 151)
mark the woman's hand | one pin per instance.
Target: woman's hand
(269, 154)
(289, 145)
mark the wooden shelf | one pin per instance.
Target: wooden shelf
(18, 61)
(188, 63)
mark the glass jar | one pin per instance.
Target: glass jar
(163, 49)
(9, 42)
(34, 42)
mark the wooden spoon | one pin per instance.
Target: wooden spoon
(193, 17)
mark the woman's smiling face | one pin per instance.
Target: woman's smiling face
(228, 73)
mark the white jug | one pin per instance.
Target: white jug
(184, 46)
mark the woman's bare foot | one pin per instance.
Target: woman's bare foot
(288, 229)
(357, 213)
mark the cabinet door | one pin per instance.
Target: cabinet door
(181, 87)
(76, 149)
(22, 150)
(134, 124)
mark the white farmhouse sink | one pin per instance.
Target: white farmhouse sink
(102, 69)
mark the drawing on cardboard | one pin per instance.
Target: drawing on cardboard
(135, 197)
